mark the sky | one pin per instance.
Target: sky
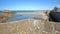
(28, 4)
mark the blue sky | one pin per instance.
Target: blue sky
(28, 4)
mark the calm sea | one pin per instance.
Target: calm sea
(21, 17)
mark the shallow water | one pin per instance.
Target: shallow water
(20, 17)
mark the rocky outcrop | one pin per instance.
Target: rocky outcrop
(54, 15)
(5, 15)
(25, 27)
(3, 19)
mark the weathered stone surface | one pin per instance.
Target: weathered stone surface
(25, 27)
(20, 27)
(5, 15)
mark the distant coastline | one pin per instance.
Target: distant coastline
(25, 10)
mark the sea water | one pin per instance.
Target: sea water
(16, 17)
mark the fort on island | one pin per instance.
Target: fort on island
(43, 22)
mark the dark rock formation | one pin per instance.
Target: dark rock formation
(54, 15)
